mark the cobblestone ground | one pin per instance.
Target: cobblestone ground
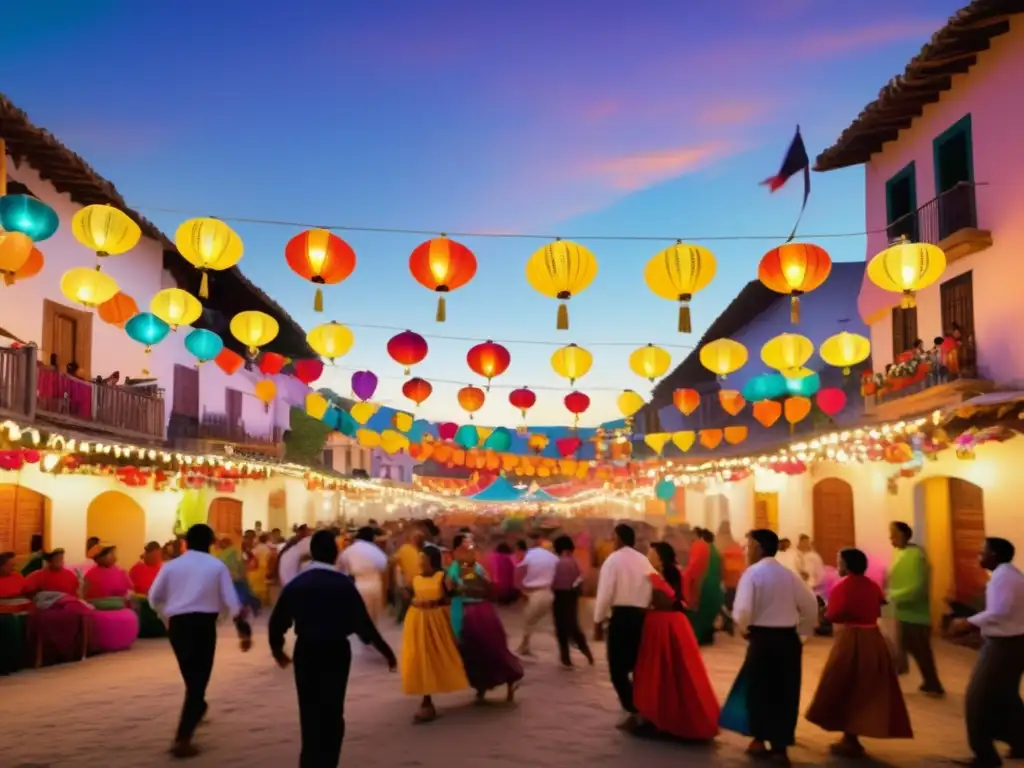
(119, 712)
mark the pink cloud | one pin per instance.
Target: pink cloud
(841, 43)
(732, 113)
(630, 173)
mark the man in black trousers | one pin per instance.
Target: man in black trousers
(325, 607)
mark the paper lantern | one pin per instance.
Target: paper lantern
(316, 405)
(364, 384)
(567, 446)
(488, 360)
(684, 440)
(767, 412)
(561, 270)
(735, 435)
(467, 437)
(28, 215)
(402, 421)
(845, 350)
(906, 268)
(523, 398)
(447, 430)
(803, 386)
(254, 329)
(471, 399)
(407, 349)
(442, 265)
(146, 328)
(321, 257)
(265, 391)
(88, 287)
(118, 309)
(732, 402)
(650, 361)
(417, 390)
(657, 441)
(392, 442)
(796, 409)
(203, 345)
(665, 490)
(331, 340)
(229, 361)
(677, 273)
(686, 400)
(831, 400)
(208, 244)
(176, 307)
(33, 266)
(15, 250)
(308, 371)
(794, 269)
(572, 362)
(271, 363)
(787, 352)
(105, 230)
(711, 438)
(499, 440)
(362, 412)
(367, 438)
(577, 404)
(629, 402)
(723, 356)
(767, 386)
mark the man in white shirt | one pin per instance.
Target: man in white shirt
(993, 705)
(811, 564)
(535, 574)
(790, 557)
(293, 556)
(623, 597)
(367, 564)
(775, 610)
(190, 592)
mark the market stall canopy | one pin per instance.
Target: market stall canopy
(500, 490)
(539, 495)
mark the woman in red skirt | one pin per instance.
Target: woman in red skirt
(858, 694)
(671, 688)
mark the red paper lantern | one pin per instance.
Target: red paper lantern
(442, 265)
(686, 400)
(447, 430)
(271, 363)
(471, 399)
(321, 257)
(417, 390)
(488, 360)
(567, 446)
(793, 269)
(523, 398)
(308, 371)
(576, 403)
(831, 400)
(229, 361)
(407, 349)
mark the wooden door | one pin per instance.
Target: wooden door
(233, 406)
(967, 525)
(225, 517)
(766, 510)
(22, 514)
(67, 336)
(834, 527)
(186, 391)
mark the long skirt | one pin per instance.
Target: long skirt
(773, 669)
(734, 715)
(59, 634)
(859, 692)
(484, 648)
(13, 651)
(150, 624)
(431, 662)
(112, 631)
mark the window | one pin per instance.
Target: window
(904, 330)
(233, 406)
(953, 156)
(901, 204)
(186, 391)
(329, 458)
(67, 337)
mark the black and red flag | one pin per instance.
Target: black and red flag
(796, 160)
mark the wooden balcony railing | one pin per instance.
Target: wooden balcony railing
(949, 221)
(202, 434)
(217, 426)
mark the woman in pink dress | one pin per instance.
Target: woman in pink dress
(107, 587)
(501, 570)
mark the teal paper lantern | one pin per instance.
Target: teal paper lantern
(499, 440)
(467, 437)
(203, 344)
(146, 328)
(805, 386)
(665, 490)
(28, 215)
(767, 386)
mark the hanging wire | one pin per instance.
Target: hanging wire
(469, 381)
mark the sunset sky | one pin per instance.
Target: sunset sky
(558, 117)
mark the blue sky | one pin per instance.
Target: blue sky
(644, 118)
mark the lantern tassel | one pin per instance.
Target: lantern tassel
(563, 318)
(8, 278)
(685, 325)
(908, 302)
(318, 300)
(794, 310)
(442, 310)
(204, 286)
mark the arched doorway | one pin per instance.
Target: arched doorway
(716, 511)
(225, 517)
(834, 526)
(23, 513)
(116, 518)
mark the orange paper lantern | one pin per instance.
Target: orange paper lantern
(735, 435)
(767, 412)
(417, 389)
(732, 401)
(686, 400)
(321, 257)
(32, 267)
(118, 310)
(488, 360)
(471, 399)
(796, 409)
(442, 265)
(710, 438)
(793, 269)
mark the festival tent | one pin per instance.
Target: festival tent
(498, 491)
(539, 495)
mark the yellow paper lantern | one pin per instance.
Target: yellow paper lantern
(392, 442)
(254, 329)
(105, 230)
(650, 361)
(88, 287)
(208, 244)
(265, 391)
(368, 438)
(561, 270)
(845, 350)
(402, 421)
(572, 362)
(176, 307)
(15, 250)
(316, 405)
(684, 440)
(657, 441)
(787, 352)
(723, 356)
(362, 412)
(677, 273)
(331, 340)
(629, 403)
(907, 267)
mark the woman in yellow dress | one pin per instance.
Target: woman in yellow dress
(259, 573)
(431, 662)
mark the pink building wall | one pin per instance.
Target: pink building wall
(140, 274)
(992, 93)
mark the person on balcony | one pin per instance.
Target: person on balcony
(114, 626)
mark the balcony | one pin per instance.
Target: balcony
(217, 433)
(949, 221)
(34, 393)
